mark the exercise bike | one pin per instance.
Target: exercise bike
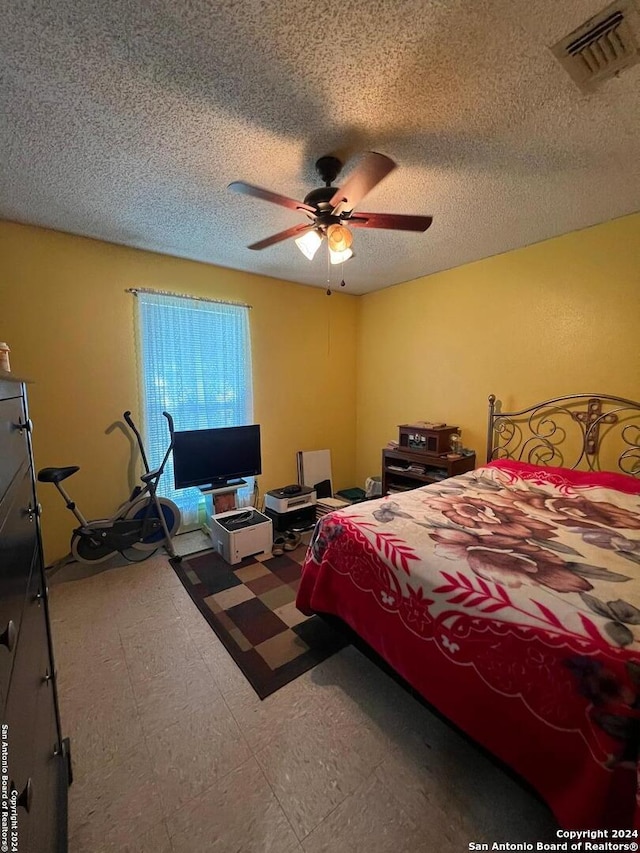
(139, 526)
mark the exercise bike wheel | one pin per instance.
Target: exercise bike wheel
(85, 551)
(172, 519)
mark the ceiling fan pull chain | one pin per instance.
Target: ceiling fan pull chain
(328, 274)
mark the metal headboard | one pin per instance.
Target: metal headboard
(596, 432)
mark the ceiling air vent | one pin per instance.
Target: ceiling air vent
(602, 47)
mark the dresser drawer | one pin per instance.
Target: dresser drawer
(18, 552)
(48, 777)
(28, 690)
(13, 440)
(28, 681)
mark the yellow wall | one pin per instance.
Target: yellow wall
(70, 326)
(555, 318)
(559, 317)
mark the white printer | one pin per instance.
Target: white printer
(291, 507)
(241, 533)
(289, 497)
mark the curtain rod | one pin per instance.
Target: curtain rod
(137, 290)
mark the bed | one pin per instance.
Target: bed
(509, 598)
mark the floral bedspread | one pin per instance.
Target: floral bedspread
(509, 597)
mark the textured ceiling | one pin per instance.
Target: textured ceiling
(125, 120)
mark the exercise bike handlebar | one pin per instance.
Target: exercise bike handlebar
(171, 427)
(134, 429)
(127, 416)
(171, 441)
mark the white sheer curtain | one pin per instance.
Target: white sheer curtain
(195, 360)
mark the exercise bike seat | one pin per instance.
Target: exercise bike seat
(56, 475)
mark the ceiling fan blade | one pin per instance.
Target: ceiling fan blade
(371, 169)
(296, 231)
(267, 195)
(394, 221)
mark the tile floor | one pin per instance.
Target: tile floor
(173, 752)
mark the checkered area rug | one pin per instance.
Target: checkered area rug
(251, 607)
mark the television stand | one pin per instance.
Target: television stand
(222, 487)
(224, 495)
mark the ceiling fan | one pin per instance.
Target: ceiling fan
(329, 207)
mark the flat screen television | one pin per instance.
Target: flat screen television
(215, 457)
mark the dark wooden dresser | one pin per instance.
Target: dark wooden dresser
(404, 469)
(35, 764)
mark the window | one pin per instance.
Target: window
(195, 359)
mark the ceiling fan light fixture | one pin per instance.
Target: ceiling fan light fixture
(328, 207)
(340, 257)
(309, 243)
(339, 238)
